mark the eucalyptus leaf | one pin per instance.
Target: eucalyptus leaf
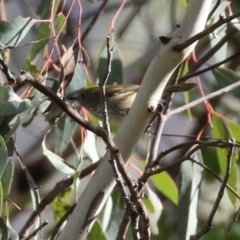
(11, 103)
(11, 33)
(57, 161)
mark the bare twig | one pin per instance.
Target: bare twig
(199, 145)
(91, 214)
(61, 222)
(203, 99)
(102, 85)
(230, 227)
(153, 151)
(27, 78)
(214, 9)
(183, 79)
(208, 226)
(130, 206)
(94, 20)
(123, 226)
(216, 176)
(180, 46)
(202, 60)
(42, 225)
(127, 21)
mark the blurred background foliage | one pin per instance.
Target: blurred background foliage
(38, 149)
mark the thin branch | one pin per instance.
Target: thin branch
(137, 5)
(59, 187)
(180, 46)
(56, 229)
(102, 85)
(230, 227)
(203, 99)
(94, 20)
(208, 226)
(91, 214)
(122, 230)
(27, 78)
(216, 176)
(202, 60)
(153, 151)
(214, 9)
(183, 79)
(201, 144)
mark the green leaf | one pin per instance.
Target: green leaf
(1, 199)
(116, 75)
(38, 102)
(42, 38)
(59, 23)
(234, 132)
(78, 81)
(165, 184)
(64, 131)
(11, 33)
(116, 214)
(227, 130)
(148, 204)
(220, 131)
(57, 161)
(3, 230)
(61, 204)
(97, 232)
(3, 156)
(8, 129)
(7, 177)
(225, 77)
(11, 103)
(234, 129)
(44, 31)
(191, 175)
(13, 235)
(154, 209)
(45, 7)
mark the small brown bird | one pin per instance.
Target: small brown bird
(119, 98)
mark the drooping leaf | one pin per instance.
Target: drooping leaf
(61, 204)
(57, 161)
(4, 230)
(191, 175)
(11, 103)
(42, 38)
(154, 209)
(220, 131)
(116, 214)
(227, 130)
(64, 132)
(38, 103)
(1, 199)
(97, 232)
(3, 156)
(78, 80)
(165, 184)
(7, 177)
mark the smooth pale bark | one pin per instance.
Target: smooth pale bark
(155, 80)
